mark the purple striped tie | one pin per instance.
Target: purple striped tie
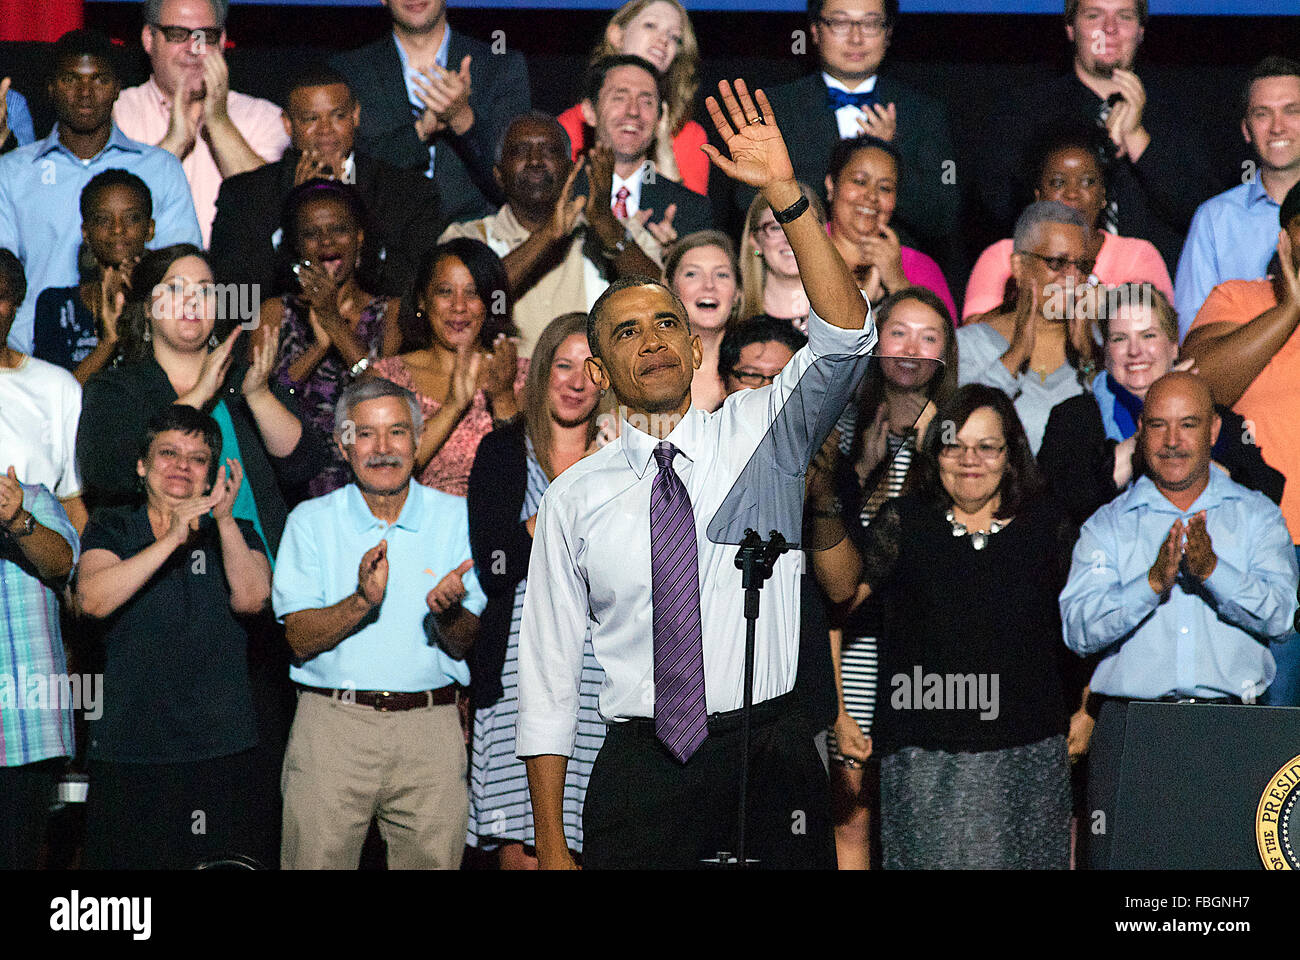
(681, 722)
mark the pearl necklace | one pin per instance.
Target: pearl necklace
(979, 539)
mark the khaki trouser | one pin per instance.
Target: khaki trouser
(346, 763)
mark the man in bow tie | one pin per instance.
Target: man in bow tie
(848, 96)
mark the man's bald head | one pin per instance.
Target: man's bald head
(1178, 431)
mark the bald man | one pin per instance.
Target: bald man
(1182, 583)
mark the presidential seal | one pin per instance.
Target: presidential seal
(1277, 819)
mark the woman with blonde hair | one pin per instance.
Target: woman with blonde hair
(701, 269)
(769, 276)
(661, 32)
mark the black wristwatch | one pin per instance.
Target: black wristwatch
(28, 528)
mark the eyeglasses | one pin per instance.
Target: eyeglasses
(985, 450)
(750, 379)
(768, 230)
(841, 27)
(1057, 264)
(172, 34)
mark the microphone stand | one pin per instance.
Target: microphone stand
(755, 560)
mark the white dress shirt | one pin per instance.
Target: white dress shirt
(590, 564)
(847, 117)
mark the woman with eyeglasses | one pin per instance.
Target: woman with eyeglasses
(1039, 350)
(701, 269)
(1071, 171)
(660, 32)
(862, 191)
(769, 275)
(970, 727)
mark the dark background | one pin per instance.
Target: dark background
(968, 61)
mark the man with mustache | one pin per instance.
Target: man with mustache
(548, 238)
(1182, 582)
(620, 549)
(375, 586)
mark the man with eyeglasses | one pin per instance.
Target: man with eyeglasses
(848, 96)
(1040, 350)
(1183, 583)
(1159, 167)
(187, 107)
(754, 352)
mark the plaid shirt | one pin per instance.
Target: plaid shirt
(34, 724)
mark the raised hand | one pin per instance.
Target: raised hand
(450, 589)
(114, 282)
(213, 372)
(1199, 552)
(312, 165)
(564, 218)
(446, 94)
(372, 574)
(257, 377)
(320, 291)
(182, 123)
(1164, 571)
(497, 374)
(1026, 330)
(662, 231)
(11, 497)
(186, 514)
(1125, 118)
(216, 80)
(879, 121)
(226, 488)
(464, 377)
(885, 251)
(756, 151)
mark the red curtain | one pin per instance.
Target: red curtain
(39, 19)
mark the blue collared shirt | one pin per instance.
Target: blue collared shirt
(324, 541)
(1232, 237)
(1203, 639)
(40, 212)
(408, 74)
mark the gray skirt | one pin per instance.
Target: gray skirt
(993, 810)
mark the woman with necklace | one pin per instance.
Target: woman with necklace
(973, 769)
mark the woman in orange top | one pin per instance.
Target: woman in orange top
(660, 31)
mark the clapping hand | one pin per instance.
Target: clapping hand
(183, 122)
(879, 121)
(372, 574)
(186, 514)
(257, 376)
(450, 590)
(1125, 118)
(216, 80)
(445, 96)
(312, 165)
(500, 368)
(663, 231)
(756, 151)
(1199, 550)
(564, 218)
(226, 488)
(1164, 571)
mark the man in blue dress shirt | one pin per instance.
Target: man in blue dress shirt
(374, 585)
(1233, 235)
(1181, 583)
(41, 183)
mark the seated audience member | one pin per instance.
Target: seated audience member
(38, 549)
(335, 324)
(894, 411)
(560, 251)
(175, 742)
(321, 115)
(621, 101)
(15, 119)
(769, 275)
(1244, 345)
(41, 183)
(459, 360)
(1089, 448)
(701, 269)
(437, 101)
(1181, 583)
(512, 470)
(862, 181)
(968, 568)
(1071, 171)
(375, 586)
(1233, 235)
(849, 97)
(76, 327)
(1161, 169)
(167, 358)
(187, 108)
(40, 405)
(658, 31)
(1039, 349)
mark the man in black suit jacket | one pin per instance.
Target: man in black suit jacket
(462, 93)
(621, 97)
(848, 97)
(321, 116)
(1160, 161)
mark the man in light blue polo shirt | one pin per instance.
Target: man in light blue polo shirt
(375, 586)
(1233, 235)
(1181, 583)
(41, 183)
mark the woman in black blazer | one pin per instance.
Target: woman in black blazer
(1089, 451)
(512, 468)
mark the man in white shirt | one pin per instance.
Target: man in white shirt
(187, 107)
(665, 611)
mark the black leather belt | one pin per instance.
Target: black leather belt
(388, 700)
